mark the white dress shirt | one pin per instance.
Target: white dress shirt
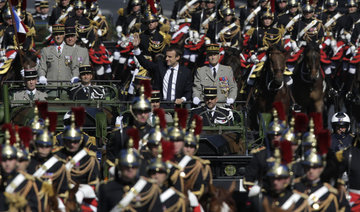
(29, 92)
(216, 68)
(166, 82)
(61, 47)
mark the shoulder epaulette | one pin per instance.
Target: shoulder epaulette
(257, 150)
(242, 6)
(121, 11)
(339, 155)
(90, 152)
(205, 162)
(331, 189)
(352, 135)
(56, 149)
(297, 180)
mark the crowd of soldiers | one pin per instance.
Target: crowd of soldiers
(167, 62)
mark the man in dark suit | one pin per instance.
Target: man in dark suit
(213, 115)
(173, 80)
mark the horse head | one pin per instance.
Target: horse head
(277, 61)
(219, 199)
(312, 61)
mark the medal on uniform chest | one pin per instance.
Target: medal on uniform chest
(138, 201)
(68, 60)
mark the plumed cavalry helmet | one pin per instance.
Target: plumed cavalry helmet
(142, 103)
(94, 7)
(276, 127)
(79, 5)
(278, 168)
(331, 3)
(177, 133)
(307, 8)
(157, 164)
(309, 138)
(268, 14)
(192, 137)
(226, 10)
(293, 3)
(72, 132)
(7, 13)
(150, 17)
(8, 151)
(130, 157)
(159, 132)
(351, 3)
(45, 136)
(23, 137)
(289, 134)
(340, 120)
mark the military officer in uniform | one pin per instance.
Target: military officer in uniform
(42, 22)
(82, 166)
(322, 196)
(129, 19)
(13, 182)
(31, 93)
(211, 113)
(216, 75)
(140, 111)
(86, 90)
(82, 54)
(57, 61)
(100, 20)
(127, 191)
(60, 12)
(43, 163)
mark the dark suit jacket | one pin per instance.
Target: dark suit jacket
(184, 81)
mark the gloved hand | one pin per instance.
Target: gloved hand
(254, 59)
(230, 101)
(254, 191)
(74, 80)
(42, 80)
(294, 47)
(192, 199)
(119, 31)
(22, 72)
(116, 55)
(50, 29)
(99, 32)
(196, 100)
(84, 40)
(302, 43)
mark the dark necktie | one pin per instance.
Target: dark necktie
(31, 95)
(214, 73)
(168, 95)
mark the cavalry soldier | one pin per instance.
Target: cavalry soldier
(18, 187)
(86, 90)
(279, 196)
(60, 12)
(258, 166)
(262, 39)
(140, 111)
(185, 170)
(43, 163)
(30, 93)
(42, 22)
(82, 54)
(129, 19)
(247, 16)
(56, 61)
(100, 21)
(216, 75)
(127, 191)
(82, 166)
(201, 19)
(341, 138)
(322, 196)
(211, 113)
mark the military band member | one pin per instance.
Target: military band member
(211, 113)
(82, 54)
(31, 93)
(57, 61)
(86, 90)
(216, 75)
(18, 187)
(127, 191)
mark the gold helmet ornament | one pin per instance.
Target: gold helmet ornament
(315, 157)
(331, 3)
(192, 137)
(159, 132)
(352, 3)
(6, 14)
(177, 132)
(44, 138)
(293, 3)
(8, 151)
(141, 103)
(283, 156)
(79, 5)
(309, 138)
(23, 138)
(268, 14)
(72, 132)
(307, 8)
(150, 17)
(276, 127)
(129, 157)
(40, 112)
(289, 134)
(157, 164)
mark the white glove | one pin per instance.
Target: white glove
(196, 100)
(84, 40)
(254, 59)
(327, 42)
(43, 80)
(50, 29)
(119, 30)
(302, 43)
(99, 32)
(22, 72)
(99, 70)
(348, 37)
(294, 47)
(108, 69)
(333, 44)
(353, 50)
(254, 191)
(193, 199)
(230, 101)
(74, 80)
(116, 55)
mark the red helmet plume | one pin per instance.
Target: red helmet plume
(26, 136)
(279, 107)
(79, 113)
(52, 121)
(168, 150)
(301, 122)
(199, 124)
(161, 114)
(182, 115)
(286, 152)
(323, 141)
(43, 108)
(147, 88)
(134, 134)
(318, 121)
(9, 127)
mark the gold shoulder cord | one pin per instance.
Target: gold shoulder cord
(271, 39)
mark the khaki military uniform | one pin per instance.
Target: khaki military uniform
(224, 82)
(23, 95)
(58, 66)
(82, 55)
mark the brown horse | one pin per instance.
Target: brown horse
(219, 199)
(308, 82)
(270, 86)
